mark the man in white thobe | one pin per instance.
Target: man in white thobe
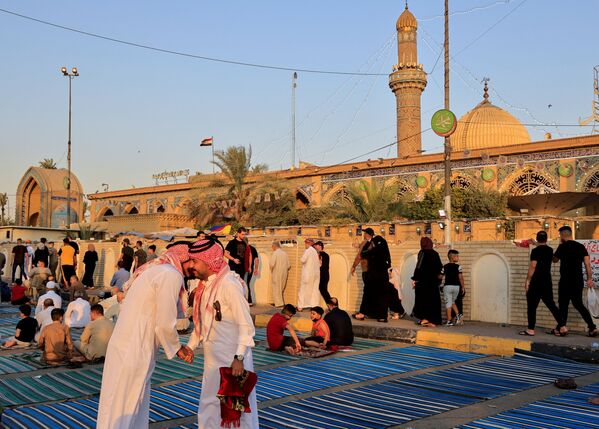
(78, 312)
(147, 320)
(309, 295)
(50, 294)
(224, 325)
(279, 269)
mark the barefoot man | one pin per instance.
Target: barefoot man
(147, 320)
(224, 325)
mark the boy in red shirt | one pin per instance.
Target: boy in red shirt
(17, 293)
(276, 328)
(321, 334)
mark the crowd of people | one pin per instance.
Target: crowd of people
(209, 286)
(53, 302)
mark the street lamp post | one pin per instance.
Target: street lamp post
(71, 75)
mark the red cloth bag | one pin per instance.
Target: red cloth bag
(233, 394)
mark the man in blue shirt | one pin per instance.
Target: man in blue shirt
(120, 277)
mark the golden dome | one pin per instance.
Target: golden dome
(488, 126)
(406, 19)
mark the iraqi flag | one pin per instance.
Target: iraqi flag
(206, 142)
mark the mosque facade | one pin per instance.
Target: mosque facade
(490, 149)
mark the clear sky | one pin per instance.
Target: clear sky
(138, 112)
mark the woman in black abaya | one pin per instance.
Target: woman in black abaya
(426, 281)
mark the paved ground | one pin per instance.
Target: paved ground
(376, 385)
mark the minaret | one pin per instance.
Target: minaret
(407, 82)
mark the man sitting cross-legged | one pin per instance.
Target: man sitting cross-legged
(95, 337)
(55, 340)
(276, 328)
(25, 331)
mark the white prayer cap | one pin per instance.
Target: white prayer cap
(50, 285)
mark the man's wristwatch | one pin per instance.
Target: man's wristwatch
(238, 357)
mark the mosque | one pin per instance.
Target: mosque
(490, 149)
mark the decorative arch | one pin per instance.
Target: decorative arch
(403, 186)
(32, 203)
(590, 181)
(334, 193)
(529, 181)
(132, 211)
(460, 181)
(302, 200)
(338, 197)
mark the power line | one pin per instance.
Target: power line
(186, 54)
(481, 35)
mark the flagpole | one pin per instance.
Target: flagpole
(212, 146)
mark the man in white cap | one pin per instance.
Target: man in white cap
(50, 294)
(224, 325)
(309, 294)
(147, 320)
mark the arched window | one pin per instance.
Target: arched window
(160, 209)
(460, 182)
(133, 211)
(591, 184)
(531, 182)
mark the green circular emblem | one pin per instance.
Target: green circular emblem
(488, 175)
(565, 170)
(444, 122)
(421, 181)
(65, 182)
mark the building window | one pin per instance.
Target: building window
(592, 183)
(531, 182)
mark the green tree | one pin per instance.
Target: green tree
(48, 163)
(368, 202)
(469, 203)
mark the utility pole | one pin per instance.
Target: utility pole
(71, 76)
(293, 86)
(447, 145)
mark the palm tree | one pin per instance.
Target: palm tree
(3, 203)
(369, 201)
(48, 163)
(236, 163)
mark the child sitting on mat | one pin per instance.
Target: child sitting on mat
(321, 334)
(55, 340)
(276, 328)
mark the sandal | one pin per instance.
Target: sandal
(556, 333)
(358, 316)
(526, 333)
(593, 333)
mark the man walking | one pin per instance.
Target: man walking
(308, 290)
(323, 284)
(147, 320)
(236, 251)
(224, 325)
(127, 254)
(18, 260)
(572, 256)
(279, 270)
(68, 261)
(538, 284)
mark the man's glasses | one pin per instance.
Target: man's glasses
(219, 316)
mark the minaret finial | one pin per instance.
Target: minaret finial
(486, 88)
(406, 4)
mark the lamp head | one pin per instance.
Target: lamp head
(64, 71)
(75, 72)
